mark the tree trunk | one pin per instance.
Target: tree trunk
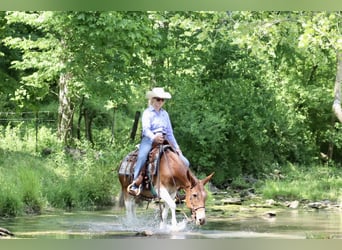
(81, 114)
(113, 128)
(337, 90)
(88, 120)
(65, 109)
(135, 125)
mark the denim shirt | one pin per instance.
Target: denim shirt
(157, 122)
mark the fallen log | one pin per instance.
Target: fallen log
(5, 232)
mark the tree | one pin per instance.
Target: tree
(82, 54)
(301, 47)
(337, 99)
(251, 90)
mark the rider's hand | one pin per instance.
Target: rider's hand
(159, 138)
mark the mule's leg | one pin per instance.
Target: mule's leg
(169, 204)
(164, 214)
(130, 206)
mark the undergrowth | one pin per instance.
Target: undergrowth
(313, 183)
(83, 177)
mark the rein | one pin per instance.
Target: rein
(158, 166)
(194, 209)
(167, 164)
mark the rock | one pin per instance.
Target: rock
(270, 202)
(292, 204)
(232, 201)
(145, 233)
(5, 232)
(260, 206)
(270, 214)
(247, 194)
(317, 205)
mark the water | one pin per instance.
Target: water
(111, 224)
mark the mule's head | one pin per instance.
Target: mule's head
(195, 200)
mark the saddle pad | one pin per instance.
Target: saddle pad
(127, 164)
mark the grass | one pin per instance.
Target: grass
(313, 183)
(31, 182)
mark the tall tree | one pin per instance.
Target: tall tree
(301, 47)
(84, 54)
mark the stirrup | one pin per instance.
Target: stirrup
(130, 191)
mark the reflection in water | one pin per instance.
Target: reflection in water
(110, 224)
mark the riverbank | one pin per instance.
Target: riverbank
(72, 180)
(289, 188)
(226, 205)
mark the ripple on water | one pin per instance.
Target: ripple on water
(112, 224)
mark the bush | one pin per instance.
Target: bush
(31, 191)
(32, 182)
(10, 204)
(64, 195)
(10, 200)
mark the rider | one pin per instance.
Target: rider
(156, 127)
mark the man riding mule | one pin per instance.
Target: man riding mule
(156, 128)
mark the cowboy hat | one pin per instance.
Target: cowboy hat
(158, 92)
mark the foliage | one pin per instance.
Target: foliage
(69, 179)
(313, 183)
(251, 90)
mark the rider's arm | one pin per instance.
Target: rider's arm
(169, 134)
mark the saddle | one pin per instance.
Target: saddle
(149, 169)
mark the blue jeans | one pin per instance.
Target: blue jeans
(144, 149)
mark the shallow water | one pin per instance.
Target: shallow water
(111, 224)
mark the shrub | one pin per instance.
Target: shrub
(10, 202)
(30, 190)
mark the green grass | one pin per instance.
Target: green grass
(31, 182)
(313, 183)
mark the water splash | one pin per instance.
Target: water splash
(149, 224)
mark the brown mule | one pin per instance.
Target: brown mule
(172, 175)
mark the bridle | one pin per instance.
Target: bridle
(193, 208)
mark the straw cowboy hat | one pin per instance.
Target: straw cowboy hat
(158, 92)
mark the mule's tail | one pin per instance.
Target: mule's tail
(121, 200)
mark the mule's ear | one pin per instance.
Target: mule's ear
(206, 179)
(191, 177)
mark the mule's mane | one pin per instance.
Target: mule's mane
(188, 176)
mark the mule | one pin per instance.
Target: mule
(171, 176)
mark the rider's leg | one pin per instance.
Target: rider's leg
(185, 160)
(144, 149)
